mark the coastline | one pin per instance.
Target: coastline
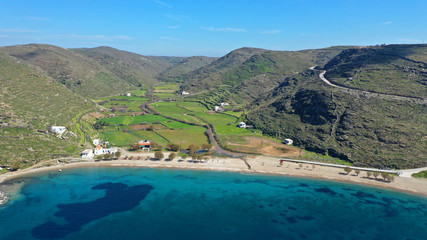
(259, 165)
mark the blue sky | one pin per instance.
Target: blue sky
(211, 28)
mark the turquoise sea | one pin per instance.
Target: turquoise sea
(140, 203)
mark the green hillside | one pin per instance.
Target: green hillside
(30, 102)
(392, 69)
(186, 65)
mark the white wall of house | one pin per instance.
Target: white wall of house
(58, 129)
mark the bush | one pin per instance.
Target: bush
(172, 156)
(158, 155)
(173, 147)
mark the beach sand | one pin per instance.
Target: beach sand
(259, 164)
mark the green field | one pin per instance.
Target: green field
(177, 125)
(218, 118)
(231, 129)
(186, 136)
(139, 93)
(127, 120)
(120, 138)
(171, 87)
(150, 135)
(237, 114)
(193, 106)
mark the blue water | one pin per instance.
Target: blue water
(138, 203)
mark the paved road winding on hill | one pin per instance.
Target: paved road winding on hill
(369, 93)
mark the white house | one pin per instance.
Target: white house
(185, 93)
(58, 129)
(88, 154)
(218, 109)
(288, 141)
(128, 94)
(224, 104)
(100, 150)
(97, 142)
(242, 125)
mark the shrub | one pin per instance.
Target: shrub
(158, 155)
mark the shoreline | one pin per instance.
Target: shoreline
(259, 165)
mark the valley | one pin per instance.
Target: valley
(122, 98)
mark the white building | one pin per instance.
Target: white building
(288, 141)
(88, 154)
(185, 93)
(58, 129)
(100, 150)
(242, 125)
(224, 104)
(218, 109)
(128, 94)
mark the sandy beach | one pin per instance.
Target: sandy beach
(259, 164)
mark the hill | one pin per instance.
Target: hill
(401, 69)
(101, 71)
(30, 102)
(357, 127)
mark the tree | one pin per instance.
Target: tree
(107, 156)
(172, 156)
(118, 154)
(206, 146)
(385, 175)
(368, 174)
(158, 155)
(347, 170)
(300, 165)
(391, 177)
(376, 174)
(99, 157)
(192, 149)
(357, 171)
(16, 164)
(134, 147)
(173, 147)
(184, 156)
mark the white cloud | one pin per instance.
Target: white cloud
(176, 17)
(270, 32)
(161, 3)
(387, 23)
(226, 29)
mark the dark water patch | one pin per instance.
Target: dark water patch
(325, 190)
(118, 198)
(282, 214)
(184, 177)
(362, 232)
(390, 213)
(360, 194)
(303, 236)
(306, 218)
(292, 208)
(261, 206)
(303, 185)
(291, 219)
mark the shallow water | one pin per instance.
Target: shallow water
(138, 203)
